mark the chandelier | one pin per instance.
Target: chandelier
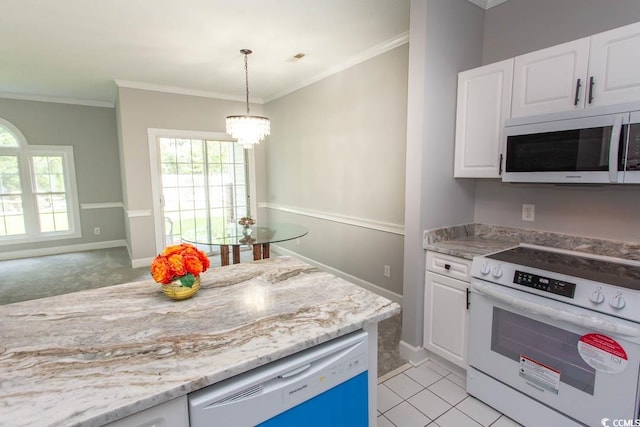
(248, 129)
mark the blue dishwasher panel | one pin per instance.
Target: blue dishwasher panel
(344, 405)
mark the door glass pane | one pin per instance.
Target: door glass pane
(200, 188)
(513, 335)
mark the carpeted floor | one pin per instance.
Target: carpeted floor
(31, 278)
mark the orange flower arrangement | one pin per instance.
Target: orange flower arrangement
(179, 262)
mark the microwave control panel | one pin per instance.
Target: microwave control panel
(546, 284)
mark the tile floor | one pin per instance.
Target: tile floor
(430, 395)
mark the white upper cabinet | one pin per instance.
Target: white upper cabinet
(614, 65)
(484, 102)
(552, 79)
(598, 70)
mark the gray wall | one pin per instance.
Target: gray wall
(92, 133)
(519, 26)
(446, 38)
(337, 147)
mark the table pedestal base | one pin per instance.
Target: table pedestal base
(260, 251)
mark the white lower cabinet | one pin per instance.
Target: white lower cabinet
(445, 303)
(174, 413)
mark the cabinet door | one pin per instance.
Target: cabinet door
(446, 317)
(484, 102)
(614, 65)
(550, 80)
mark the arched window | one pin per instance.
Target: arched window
(38, 197)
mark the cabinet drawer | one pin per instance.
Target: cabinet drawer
(448, 265)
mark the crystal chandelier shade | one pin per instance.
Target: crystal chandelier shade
(248, 129)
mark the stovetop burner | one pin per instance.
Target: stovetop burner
(617, 274)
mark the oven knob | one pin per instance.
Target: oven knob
(485, 269)
(617, 301)
(597, 297)
(497, 272)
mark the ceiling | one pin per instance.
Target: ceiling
(74, 50)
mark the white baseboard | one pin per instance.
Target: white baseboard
(28, 253)
(415, 355)
(346, 276)
(141, 262)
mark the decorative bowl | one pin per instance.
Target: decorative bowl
(176, 291)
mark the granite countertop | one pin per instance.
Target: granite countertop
(92, 357)
(469, 240)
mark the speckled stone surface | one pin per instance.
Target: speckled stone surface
(92, 357)
(469, 240)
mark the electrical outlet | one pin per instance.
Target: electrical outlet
(96, 231)
(387, 271)
(528, 212)
(297, 242)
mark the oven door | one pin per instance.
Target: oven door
(542, 348)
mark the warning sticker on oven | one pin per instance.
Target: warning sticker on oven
(539, 375)
(602, 353)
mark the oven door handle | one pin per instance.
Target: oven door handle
(596, 323)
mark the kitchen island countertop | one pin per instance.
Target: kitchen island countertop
(92, 357)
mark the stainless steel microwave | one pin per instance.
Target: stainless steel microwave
(592, 146)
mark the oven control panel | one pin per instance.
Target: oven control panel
(546, 284)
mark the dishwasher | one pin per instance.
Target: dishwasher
(326, 385)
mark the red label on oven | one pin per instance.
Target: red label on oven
(602, 353)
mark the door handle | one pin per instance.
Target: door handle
(593, 322)
(577, 98)
(614, 148)
(591, 83)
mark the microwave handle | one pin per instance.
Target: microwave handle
(595, 323)
(614, 148)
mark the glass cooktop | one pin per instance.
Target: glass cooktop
(606, 272)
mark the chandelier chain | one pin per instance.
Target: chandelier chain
(246, 81)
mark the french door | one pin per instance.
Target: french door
(204, 187)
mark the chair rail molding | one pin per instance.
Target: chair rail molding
(105, 205)
(372, 224)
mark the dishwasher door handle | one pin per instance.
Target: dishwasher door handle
(295, 372)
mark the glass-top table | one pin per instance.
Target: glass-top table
(259, 236)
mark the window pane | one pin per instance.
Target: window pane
(9, 175)
(53, 215)
(57, 182)
(40, 165)
(13, 225)
(7, 139)
(11, 216)
(43, 184)
(55, 164)
(46, 223)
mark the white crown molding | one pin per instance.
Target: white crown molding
(56, 99)
(355, 60)
(183, 91)
(487, 4)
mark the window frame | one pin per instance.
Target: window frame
(25, 153)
